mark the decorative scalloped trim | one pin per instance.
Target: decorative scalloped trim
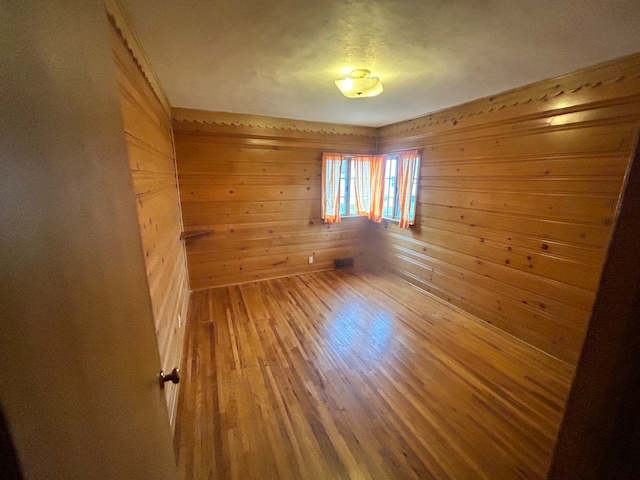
(273, 123)
(487, 104)
(115, 12)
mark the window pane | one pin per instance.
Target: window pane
(343, 189)
(352, 189)
(389, 200)
(414, 191)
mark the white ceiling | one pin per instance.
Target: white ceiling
(280, 58)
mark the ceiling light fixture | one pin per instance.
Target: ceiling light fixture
(359, 84)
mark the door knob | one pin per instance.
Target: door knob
(174, 377)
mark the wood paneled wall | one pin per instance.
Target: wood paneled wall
(147, 125)
(600, 438)
(518, 194)
(254, 183)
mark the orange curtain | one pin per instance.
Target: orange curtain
(367, 185)
(377, 187)
(331, 169)
(408, 172)
(360, 174)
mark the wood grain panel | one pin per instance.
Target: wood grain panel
(600, 431)
(447, 256)
(254, 183)
(530, 167)
(147, 126)
(517, 197)
(343, 375)
(508, 226)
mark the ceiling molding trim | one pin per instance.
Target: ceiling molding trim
(116, 13)
(274, 123)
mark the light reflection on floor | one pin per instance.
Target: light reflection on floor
(355, 331)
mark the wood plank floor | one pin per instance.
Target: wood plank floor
(337, 375)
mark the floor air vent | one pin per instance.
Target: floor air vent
(343, 262)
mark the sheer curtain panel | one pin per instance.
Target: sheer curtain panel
(408, 173)
(366, 171)
(331, 169)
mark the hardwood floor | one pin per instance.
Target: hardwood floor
(337, 375)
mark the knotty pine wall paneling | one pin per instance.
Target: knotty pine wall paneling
(147, 125)
(254, 183)
(518, 194)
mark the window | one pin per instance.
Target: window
(375, 186)
(347, 188)
(389, 197)
(391, 207)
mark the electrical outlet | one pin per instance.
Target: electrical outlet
(310, 259)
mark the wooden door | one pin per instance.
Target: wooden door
(78, 355)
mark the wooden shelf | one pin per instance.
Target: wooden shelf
(194, 233)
